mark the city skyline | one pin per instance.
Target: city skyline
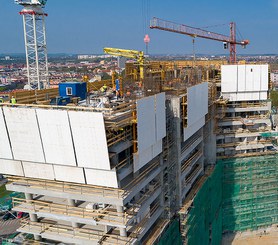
(90, 26)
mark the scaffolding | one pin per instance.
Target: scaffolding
(204, 220)
(250, 196)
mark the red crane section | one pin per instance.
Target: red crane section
(164, 25)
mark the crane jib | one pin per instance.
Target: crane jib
(191, 31)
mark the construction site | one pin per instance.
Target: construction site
(174, 152)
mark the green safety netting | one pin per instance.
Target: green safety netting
(204, 221)
(172, 235)
(6, 198)
(241, 194)
(250, 193)
(269, 134)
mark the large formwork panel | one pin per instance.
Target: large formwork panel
(146, 126)
(38, 170)
(24, 134)
(11, 167)
(160, 116)
(56, 137)
(192, 129)
(69, 174)
(264, 77)
(244, 79)
(253, 78)
(157, 148)
(229, 78)
(5, 148)
(101, 178)
(241, 77)
(89, 138)
(197, 103)
(140, 159)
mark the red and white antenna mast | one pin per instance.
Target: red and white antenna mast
(146, 41)
(35, 42)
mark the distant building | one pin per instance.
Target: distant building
(274, 77)
(89, 56)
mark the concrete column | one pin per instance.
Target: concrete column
(107, 228)
(72, 203)
(33, 217)
(120, 210)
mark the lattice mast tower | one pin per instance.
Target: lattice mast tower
(35, 42)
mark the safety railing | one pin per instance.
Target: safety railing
(115, 138)
(139, 228)
(234, 144)
(193, 174)
(75, 233)
(67, 187)
(141, 176)
(190, 143)
(99, 215)
(187, 163)
(145, 196)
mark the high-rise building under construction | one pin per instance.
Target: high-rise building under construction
(177, 152)
(184, 152)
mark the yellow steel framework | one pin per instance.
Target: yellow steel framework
(133, 54)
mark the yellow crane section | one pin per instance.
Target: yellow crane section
(133, 54)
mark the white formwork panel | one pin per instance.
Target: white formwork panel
(140, 159)
(192, 129)
(228, 78)
(69, 174)
(197, 103)
(230, 96)
(89, 138)
(56, 137)
(250, 77)
(241, 78)
(5, 148)
(146, 128)
(24, 134)
(38, 170)
(257, 78)
(204, 95)
(263, 95)
(157, 148)
(264, 77)
(160, 116)
(101, 178)
(11, 167)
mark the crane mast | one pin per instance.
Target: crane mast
(35, 42)
(164, 25)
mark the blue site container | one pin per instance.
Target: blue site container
(73, 89)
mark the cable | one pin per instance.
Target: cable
(206, 27)
(238, 31)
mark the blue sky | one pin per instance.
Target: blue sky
(86, 26)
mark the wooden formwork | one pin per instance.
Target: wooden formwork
(34, 96)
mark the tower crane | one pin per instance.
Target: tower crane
(133, 54)
(165, 25)
(35, 42)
